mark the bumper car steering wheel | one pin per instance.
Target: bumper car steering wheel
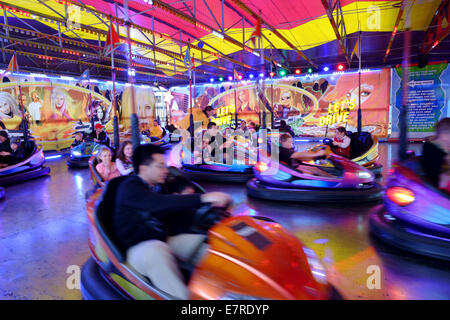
(207, 216)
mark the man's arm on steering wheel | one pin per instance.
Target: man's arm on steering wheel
(307, 155)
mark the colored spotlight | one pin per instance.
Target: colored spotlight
(261, 75)
(211, 79)
(230, 78)
(298, 71)
(251, 76)
(340, 67)
(240, 77)
(310, 70)
(272, 74)
(220, 78)
(326, 69)
(282, 72)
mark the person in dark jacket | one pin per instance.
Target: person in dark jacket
(215, 141)
(17, 152)
(295, 159)
(171, 128)
(5, 149)
(435, 156)
(140, 221)
(285, 128)
(100, 135)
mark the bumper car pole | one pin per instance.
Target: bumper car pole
(116, 132)
(135, 134)
(114, 102)
(24, 121)
(359, 87)
(403, 117)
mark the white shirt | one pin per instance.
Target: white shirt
(123, 168)
(35, 110)
(345, 143)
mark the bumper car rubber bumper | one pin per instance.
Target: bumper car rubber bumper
(407, 236)
(376, 169)
(257, 189)
(94, 286)
(216, 176)
(78, 162)
(24, 175)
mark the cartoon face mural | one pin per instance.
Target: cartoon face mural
(59, 101)
(8, 106)
(54, 111)
(375, 88)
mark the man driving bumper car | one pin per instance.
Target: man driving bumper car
(142, 216)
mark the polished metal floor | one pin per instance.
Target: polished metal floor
(43, 232)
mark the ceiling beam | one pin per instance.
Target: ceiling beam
(103, 32)
(161, 35)
(249, 22)
(394, 31)
(436, 32)
(329, 12)
(275, 31)
(201, 25)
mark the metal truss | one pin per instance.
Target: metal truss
(337, 23)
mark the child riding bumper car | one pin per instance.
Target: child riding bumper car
(415, 214)
(363, 150)
(80, 154)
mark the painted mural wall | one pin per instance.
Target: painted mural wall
(55, 109)
(312, 105)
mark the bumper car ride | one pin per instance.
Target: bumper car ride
(80, 155)
(363, 151)
(339, 181)
(163, 142)
(415, 215)
(31, 167)
(217, 172)
(267, 255)
(238, 171)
